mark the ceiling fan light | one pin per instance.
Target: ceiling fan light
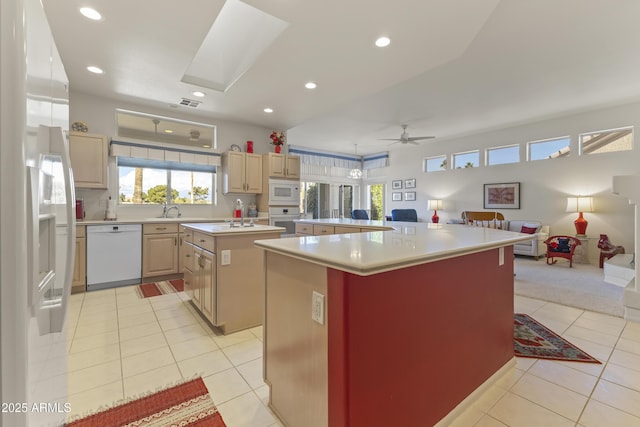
(355, 173)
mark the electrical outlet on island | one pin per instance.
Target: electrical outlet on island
(317, 307)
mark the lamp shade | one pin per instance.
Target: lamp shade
(435, 204)
(579, 204)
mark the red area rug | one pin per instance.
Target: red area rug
(531, 339)
(154, 289)
(187, 404)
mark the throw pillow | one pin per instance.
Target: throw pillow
(528, 230)
(532, 225)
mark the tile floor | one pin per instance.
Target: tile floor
(121, 346)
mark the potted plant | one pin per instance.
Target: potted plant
(277, 139)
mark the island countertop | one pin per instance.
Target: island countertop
(224, 228)
(406, 244)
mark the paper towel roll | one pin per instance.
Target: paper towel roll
(111, 209)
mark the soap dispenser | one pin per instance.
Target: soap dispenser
(237, 213)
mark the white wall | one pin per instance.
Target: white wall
(545, 184)
(100, 116)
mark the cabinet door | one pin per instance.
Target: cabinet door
(234, 172)
(188, 282)
(196, 284)
(79, 281)
(208, 286)
(88, 155)
(159, 254)
(253, 173)
(292, 166)
(276, 165)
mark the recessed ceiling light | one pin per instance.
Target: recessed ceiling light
(95, 70)
(168, 131)
(91, 13)
(198, 93)
(383, 41)
(268, 110)
(310, 85)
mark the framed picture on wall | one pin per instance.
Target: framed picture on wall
(502, 196)
(396, 196)
(396, 185)
(410, 183)
(410, 196)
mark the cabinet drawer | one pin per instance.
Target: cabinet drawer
(187, 256)
(204, 241)
(186, 234)
(346, 230)
(304, 228)
(159, 228)
(319, 230)
(80, 231)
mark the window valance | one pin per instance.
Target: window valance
(347, 161)
(140, 154)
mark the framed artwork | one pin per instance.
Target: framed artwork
(502, 196)
(396, 185)
(410, 196)
(396, 196)
(410, 183)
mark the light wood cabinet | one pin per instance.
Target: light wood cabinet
(159, 249)
(89, 155)
(79, 280)
(204, 278)
(319, 230)
(281, 165)
(304, 229)
(184, 253)
(241, 173)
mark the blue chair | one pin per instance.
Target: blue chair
(408, 215)
(359, 214)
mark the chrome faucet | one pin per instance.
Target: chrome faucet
(166, 210)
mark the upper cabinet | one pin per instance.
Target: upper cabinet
(89, 155)
(242, 172)
(282, 166)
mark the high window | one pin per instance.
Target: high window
(549, 148)
(468, 159)
(606, 141)
(435, 164)
(503, 155)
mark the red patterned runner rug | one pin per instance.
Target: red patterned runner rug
(531, 339)
(187, 404)
(154, 289)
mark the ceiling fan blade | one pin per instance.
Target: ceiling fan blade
(419, 138)
(389, 139)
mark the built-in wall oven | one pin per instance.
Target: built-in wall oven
(284, 193)
(283, 216)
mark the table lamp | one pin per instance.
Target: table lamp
(435, 205)
(580, 204)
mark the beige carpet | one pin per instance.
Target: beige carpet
(582, 286)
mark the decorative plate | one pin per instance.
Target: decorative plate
(235, 147)
(79, 127)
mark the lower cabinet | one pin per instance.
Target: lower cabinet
(79, 281)
(204, 280)
(159, 250)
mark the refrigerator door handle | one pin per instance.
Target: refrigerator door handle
(60, 145)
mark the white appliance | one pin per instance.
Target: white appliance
(114, 255)
(37, 223)
(284, 217)
(284, 193)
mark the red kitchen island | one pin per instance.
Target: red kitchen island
(386, 328)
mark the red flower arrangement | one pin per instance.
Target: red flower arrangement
(277, 137)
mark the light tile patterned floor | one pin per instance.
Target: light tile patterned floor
(121, 346)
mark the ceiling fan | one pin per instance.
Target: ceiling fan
(405, 138)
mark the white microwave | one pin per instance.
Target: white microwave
(284, 193)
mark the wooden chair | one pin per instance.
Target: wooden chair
(561, 247)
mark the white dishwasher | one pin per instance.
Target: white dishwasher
(114, 255)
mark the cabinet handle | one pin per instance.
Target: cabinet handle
(187, 256)
(161, 228)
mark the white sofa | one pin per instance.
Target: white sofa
(536, 247)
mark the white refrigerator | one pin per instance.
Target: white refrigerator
(37, 222)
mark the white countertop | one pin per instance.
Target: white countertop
(407, 244)
(222, 228)
(348, 222)
(163, 220)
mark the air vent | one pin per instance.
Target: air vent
(189, 103)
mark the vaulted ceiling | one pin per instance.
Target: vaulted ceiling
(452, 68)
